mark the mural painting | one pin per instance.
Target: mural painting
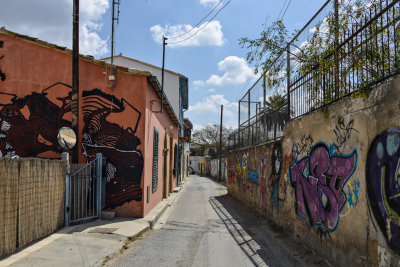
(2, 74)
(263, 179)
(319, 180)
(253, 176)
(35, 120)
(383, 184)
(245, 175)
(274, 179)
(118, 145)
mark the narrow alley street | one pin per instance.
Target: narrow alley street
(205, 227)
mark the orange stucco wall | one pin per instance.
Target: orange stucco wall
(163, 125)
(31, 118)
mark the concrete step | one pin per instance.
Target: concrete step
(107, 215)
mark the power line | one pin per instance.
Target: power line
(283, 6)
(205, 25)
(286, 9)
(116, 27)
(212, 10)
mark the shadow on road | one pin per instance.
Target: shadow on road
(249, 246)
(261, 242)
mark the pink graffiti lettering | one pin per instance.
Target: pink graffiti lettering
(327, 176)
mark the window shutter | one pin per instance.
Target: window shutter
(155, 161)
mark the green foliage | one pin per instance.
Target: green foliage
(332, 71)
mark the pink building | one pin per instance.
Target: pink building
(122, 123)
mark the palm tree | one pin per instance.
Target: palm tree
(275, 112)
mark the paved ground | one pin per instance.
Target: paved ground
(88, 244)
(207, 228)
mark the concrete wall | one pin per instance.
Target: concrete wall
(213, 168)
(332, 180)
(186, 160)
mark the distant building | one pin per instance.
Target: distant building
(186, 139)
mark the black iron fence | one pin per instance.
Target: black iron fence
(321, 65)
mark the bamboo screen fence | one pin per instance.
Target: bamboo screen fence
(31, 200)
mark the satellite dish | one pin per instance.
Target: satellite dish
(66, 138)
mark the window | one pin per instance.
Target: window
(155, 161)
(175, 160)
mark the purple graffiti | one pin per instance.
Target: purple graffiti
(319, 180)
(383, 184)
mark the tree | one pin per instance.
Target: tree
(275, 112)
(207, 138)
(370, 55)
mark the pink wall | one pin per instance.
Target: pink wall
(34, 117)
(162, 122)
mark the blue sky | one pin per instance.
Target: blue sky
(212, 59)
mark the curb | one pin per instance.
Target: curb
(136, 235)
(157, 217)
(177, 190)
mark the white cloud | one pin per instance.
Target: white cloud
(236, 71)
(208, 109)
(197, 84)
(211, 90)
(51, 21)
(209, 2)
(212, 105)
(210, 35)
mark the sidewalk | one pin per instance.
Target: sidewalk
(88, 244)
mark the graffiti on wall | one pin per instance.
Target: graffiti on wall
(253, 176)
(319, 180)
(343, 133)
(243, 173)
(383, 184)
(274, 180)
(30, 124)
(2, 74)
(304, 146)
(239, 173)
(118, 144)
(351, 190)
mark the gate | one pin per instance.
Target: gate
(84, 192)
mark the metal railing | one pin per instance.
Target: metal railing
(85, 194)
(363, 53)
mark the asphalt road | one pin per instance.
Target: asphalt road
(205, 227)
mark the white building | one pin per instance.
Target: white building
(176, 88)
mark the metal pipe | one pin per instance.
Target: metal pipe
(162, 73)
(75, 77)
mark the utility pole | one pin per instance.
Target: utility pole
(112, 76)
(162, 73)
(220, 144)
(75, 78)
(288, 79)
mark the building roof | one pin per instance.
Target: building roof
(151, 78)
(188, 123)
(145, 63)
